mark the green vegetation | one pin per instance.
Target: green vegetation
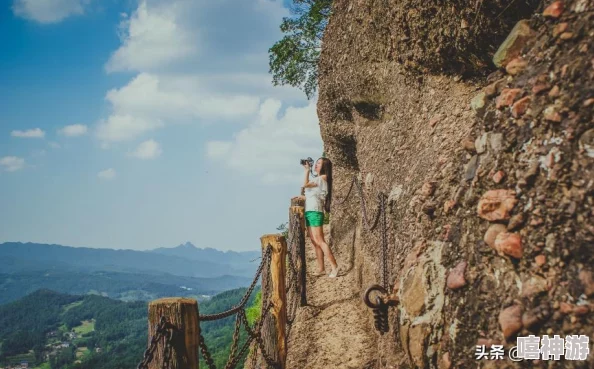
(294, 59)
(87, 326)
(57, 331)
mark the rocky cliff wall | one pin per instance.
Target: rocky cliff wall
(490, 172)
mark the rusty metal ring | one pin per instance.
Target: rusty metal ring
(375, 287)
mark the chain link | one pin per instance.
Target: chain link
(161, 331)
(234, 310)
(381, 211)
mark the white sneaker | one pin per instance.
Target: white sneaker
(334, 273)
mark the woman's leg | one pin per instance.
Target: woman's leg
(319, 252)
(318, 237)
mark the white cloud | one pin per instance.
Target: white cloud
(107, 174)
(74, 130)
(148, 101)
(48, 11)
(150, 39)
(12, 163)
(30, 133)
(124, 127)
(148, 150)
(272, 145)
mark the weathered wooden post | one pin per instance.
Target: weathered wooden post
(274, 330)
(183, 315)
(296, 214)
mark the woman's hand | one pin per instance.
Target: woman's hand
(306, 166)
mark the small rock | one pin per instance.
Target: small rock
(492, 232)
(554, 10)
(565, 308)
(516, 222)
(496, 204)
(587, 280)
(448, 206)
(494, 88)
(539, 87)
(480, 144)
(446, 362)
(477, 104)
(534, 286)
(456, 277)
(516, 66)
(566, 36)
(559, 29)
(551, 114)
(581, 310)
(471, 168)
(507, 97)
(498, 177)
(510, 320)
(509, 244)
(554, 91)
(588, 102)
(428, 189)
(519, 36)
(536, 221)
(468, 145)
(540, 260)
(434, 120)
(520, 107)
(495, 141)
(586, 143)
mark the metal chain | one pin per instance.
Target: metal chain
(205, 353)
(160, 332)
(234, 310)
(381, 211)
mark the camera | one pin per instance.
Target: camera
(308, 160)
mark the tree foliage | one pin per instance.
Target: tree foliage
(294, 59)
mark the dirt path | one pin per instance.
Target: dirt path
(334, 331)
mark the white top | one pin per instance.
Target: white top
(315, 197)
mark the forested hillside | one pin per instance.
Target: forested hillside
(58, 331)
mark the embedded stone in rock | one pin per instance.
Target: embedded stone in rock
(513, 44)
(495, 142)
(496, 204)
(554, 10)
(448, 205)
(516, 66)
(468, 145)
(540, 260)
(428, 189)
(498, 176)
(534, 286)
(492, 232)
(550, 113)
(434, 120)
(456, 277)
(471, 168)
(587, 280)
(477, 104)
(559, 29)
(516, 221)
(413, 292)
(554, 91)
(509, 244)
(507, 97)
(494, 88)
(586, 143)
(510, 320)
(520, 106)
(480, 144)
(395, 193)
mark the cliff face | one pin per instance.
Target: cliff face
(490, 173)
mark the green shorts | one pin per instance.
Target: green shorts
(314, 218)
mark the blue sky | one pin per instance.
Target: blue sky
(142, 124)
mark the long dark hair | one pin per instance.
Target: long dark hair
(327, 170)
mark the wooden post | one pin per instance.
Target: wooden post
(183, 314)
(298, 201)
(296, 214)
(277, 292)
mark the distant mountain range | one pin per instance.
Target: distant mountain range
(185, 270)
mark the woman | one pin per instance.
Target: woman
(318, 194)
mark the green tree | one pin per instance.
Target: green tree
(294, 59)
